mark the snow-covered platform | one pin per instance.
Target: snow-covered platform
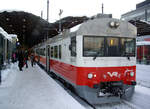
(32, 88)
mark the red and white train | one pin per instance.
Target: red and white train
(96, 57)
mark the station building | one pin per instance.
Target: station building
(140, 17)
(142, 12)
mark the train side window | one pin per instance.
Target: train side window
(44, 52)
(55, 51)
(59, 51)
(52, 50)
(72, 47)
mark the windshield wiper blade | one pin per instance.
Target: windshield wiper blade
(96, 55)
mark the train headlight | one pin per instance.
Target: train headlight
(90, 75)
(112, 24)
(117, 24)
(131, 74)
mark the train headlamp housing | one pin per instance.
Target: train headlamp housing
(117, 24)
(90, 76)
(131, 74)
(114, 24)
(111, 24)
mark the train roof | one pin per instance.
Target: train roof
(101, 27)
(98, 27)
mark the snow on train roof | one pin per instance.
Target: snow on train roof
(75, 28)
(5, 34)
(143, 43)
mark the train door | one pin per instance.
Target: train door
(47, 58)
(72, 48)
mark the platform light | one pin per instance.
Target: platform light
(18, 43)
(7, 19)
(17, 39)
(24, 20)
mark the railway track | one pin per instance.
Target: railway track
(130, 104)
(121, 105)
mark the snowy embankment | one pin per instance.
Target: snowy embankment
(8, 75)
(34, 89)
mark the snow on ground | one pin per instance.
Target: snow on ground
(8, 76)
(141, 97)
(32, 88)
(143, 75)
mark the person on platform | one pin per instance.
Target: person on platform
(21, 60)
(32, 57)
(26, 58)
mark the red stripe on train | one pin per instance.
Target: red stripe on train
(79, 75)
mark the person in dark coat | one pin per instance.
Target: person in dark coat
(32, 59)
(26, 58)
(21, 60)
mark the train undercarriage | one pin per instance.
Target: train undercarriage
(107, 92)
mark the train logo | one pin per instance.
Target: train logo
(113, 74)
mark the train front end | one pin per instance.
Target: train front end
(106, 61)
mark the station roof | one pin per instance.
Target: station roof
(143, 27)
(32, 29)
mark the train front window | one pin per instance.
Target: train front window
(112, 48)
(93, 46)
(127, 47)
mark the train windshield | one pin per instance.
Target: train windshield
(93, 46)
(108, 46)
(127, 47)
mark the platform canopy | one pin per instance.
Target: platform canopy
(143, 27)
(32, 29)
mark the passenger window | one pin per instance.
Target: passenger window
(55, 51)
(72, 47)
(59, 51)
(51, 51)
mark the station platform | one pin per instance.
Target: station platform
(32, 88)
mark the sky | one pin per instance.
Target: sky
(70, 7)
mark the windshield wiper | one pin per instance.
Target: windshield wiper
(96, 55)
(127, 55)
